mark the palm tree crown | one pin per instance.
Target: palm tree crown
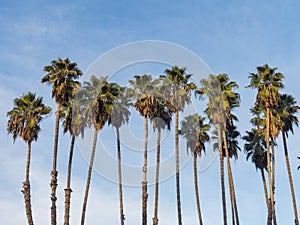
(195, 131)
(25, 117)
(61, 74)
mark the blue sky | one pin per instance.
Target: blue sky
(232, 37)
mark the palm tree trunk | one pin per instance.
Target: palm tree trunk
(229, 180)
(68, 189)
(273, 180)
(234, 198)
(265, 187)
(288, 167)
(88, 181)
(122, 217)
(222, 175)
(54, 172)
(26, 187)
(155, 218)
(267, 139)
(144, 183)
(177, 168)
(196, 190)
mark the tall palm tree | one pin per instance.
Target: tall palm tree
(177, 94)
(287, 110)
(255, 147)
(24, 122)
(195, 131)
(230, 101)
(161, 119)
(98, 97)
(119, 116)
(215, 111)
(268, 83)
(61, 75)
(144, 100)
(74, 123)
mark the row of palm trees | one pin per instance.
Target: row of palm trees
(98, 102)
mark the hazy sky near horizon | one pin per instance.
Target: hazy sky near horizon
(231, 37)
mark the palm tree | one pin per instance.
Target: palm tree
(142, 92)
(268, 83)
(255, 147)
(74, 123)
(231, 100)
(177, 94)
(61, 75)
(24, 122)
(120, 115)
(215, 111)
(161, 119)
(287, 110)
(98, 97)
(195, 132)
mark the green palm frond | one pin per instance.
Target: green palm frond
(25, 117)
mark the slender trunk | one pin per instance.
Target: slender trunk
(196, 189)
(177, 169)
(144, 183)
(54, 172)
(265, 187)
(229, 181)
(288, 167)
(26, 187)
(267, 139)
(68, 189)
(155, 218)
(122, 217)
(273, 180)
(88, 181)
(234, 199)
(222, 175)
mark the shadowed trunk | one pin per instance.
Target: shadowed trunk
(122, 217)
(144, 183)
(196, 190)
(234, 198)
(155, 218)
(273, 181)
(177, 169)
(229, 178)
(26, 187)
(88, 181)
(222, 175)
(288, 167)
(54, 172)
(68, 189)
(265, 187)
(267, 139)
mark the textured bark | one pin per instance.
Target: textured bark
(144, 183)
(88, 181)
(54, 172)
(265, 187)
(68, 189)
(155, 218)
(26, 188)
(229, 178)
(288, 167)
(177, 169)
(196, 190)
(122, 217)
(222, 175)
